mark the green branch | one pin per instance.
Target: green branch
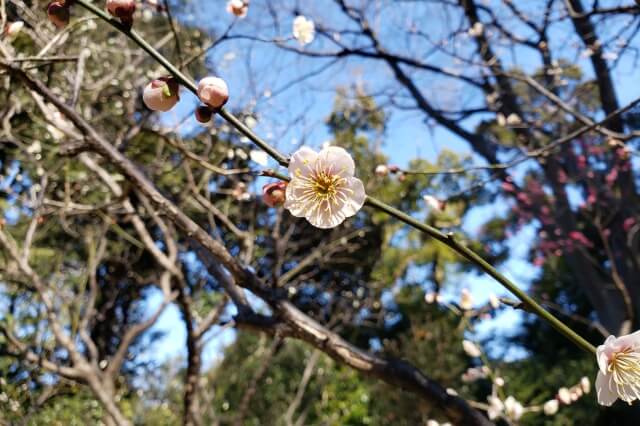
(446, 239)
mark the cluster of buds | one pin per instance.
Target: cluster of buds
(239, 8)
(570, 395)
(161, 94)
(123, 10)
(510, 408)
(213, 92)
(58, 12)
(274, 194)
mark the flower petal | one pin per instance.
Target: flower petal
(337, 161)
(629, 341)
(604, 352)
(605, 389)
(302, 162)
(355, 196)
(325, 215)
(295, 201)
(629, 393)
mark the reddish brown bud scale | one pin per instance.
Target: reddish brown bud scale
(58, 13)
(123, 10)
(204, 114)
(274, 194)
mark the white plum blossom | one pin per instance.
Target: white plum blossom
(304, 30)
(259, 156)
(496, 407)
(432, 297)
(323, 188)
(551, 407)
(433, 203)
(381, 170)
(564, 395)
(12, 29)
(476, 30)
(474, 373)
(239, 8)
(466, 300)
(513, 409)
(619, 375)
(513, 119)
(471, 348)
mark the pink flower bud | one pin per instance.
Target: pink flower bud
(161, 94)
(203, 114)
(123, 9)
(238, 8)
(58, 13)
(213, 91)
(274, 194)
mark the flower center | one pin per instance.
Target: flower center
(625, 367)
(325, 185)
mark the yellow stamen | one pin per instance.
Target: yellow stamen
(625, 369)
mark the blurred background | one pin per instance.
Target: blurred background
(512, 125)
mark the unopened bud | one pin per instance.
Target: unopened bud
(274, 194)
(213, 91)
(123, 9)
(564, 396)
(585, 384)
(58, 13)
(381, 170)
(551, 407)
(203, 114)
(161, 94)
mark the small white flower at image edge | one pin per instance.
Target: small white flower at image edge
(619, 369)
(323, 188)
